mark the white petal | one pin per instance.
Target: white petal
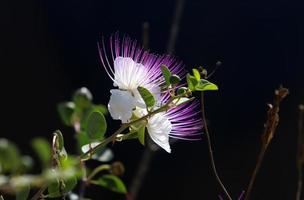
(159, 128)
(129, 74)
(121, 105)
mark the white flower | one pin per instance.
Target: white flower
(121, 105)
(128, 75)
(159, 128)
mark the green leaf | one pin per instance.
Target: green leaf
(174, 79)
(147, 96)
(112, 183)
(43, 150)
(205, 85)
(10, 159)
(61, 187)
(192, 82)
(82, 139)
(196, 74)
(66, 110)
(23, 193)
(166, 73)
(82, 98)
(96, 125)
(141, 134)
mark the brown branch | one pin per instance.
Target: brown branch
(300, 153)
(269, 131)
(210, 148)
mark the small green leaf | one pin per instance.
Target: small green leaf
(22, 193)
(192, 82)
(66, 110)
(82, 98)
(96, 125)
(147, 96)
(174, 79)
(166, 73)
(10, 159)
(43, 150)
(205, 85)
(112, 183)
(196, 74)
(141, 134)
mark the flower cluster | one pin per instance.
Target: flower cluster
(129, 66)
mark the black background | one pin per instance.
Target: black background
(48, 49)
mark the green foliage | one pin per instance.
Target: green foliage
(112, 183)
(43, 150)
(196, 74)
(204, 85)
(61, 187)
(23, 193)
(166, 73)
(141, 134)
(174, 79)
(96, 125)
(82, 98)
(195, 83)
(10, 158)
(66, 110)
(147, 96)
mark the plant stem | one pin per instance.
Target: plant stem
(269, 131)
(210, 148)
(39, 193)
(300, 153)
(124, 126)
(97, 170)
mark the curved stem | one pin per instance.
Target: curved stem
(97, 170)
(210, 148)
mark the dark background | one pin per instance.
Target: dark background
(48, 49)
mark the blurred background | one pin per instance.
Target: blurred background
(48, 49)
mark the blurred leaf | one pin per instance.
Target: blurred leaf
(86, 113)
(112, 183)
(82, 98)
(10, 159)
(196, 74)
(61, 187)
(43, 150)
(96, 125)
(26, 163)
(82, 139)
(192, 82)
(204, 85)
(22, 193)
(174, 79)
(66, 110)
(147, 96)
(166, 73)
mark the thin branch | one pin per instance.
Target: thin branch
(210, 148)
(300, 154)
(179, 7)
(270, 128)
